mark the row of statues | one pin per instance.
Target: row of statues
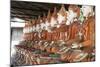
(68, 33)
(64, 25)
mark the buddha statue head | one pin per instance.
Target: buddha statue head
(73, 13)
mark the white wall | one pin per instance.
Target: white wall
(16, 37)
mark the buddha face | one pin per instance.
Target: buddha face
(53, 22)
(86, 10)
(71, 15)
(37, 27)
(60, 18)
(33, 28)
(48, 26)
(42, 25)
